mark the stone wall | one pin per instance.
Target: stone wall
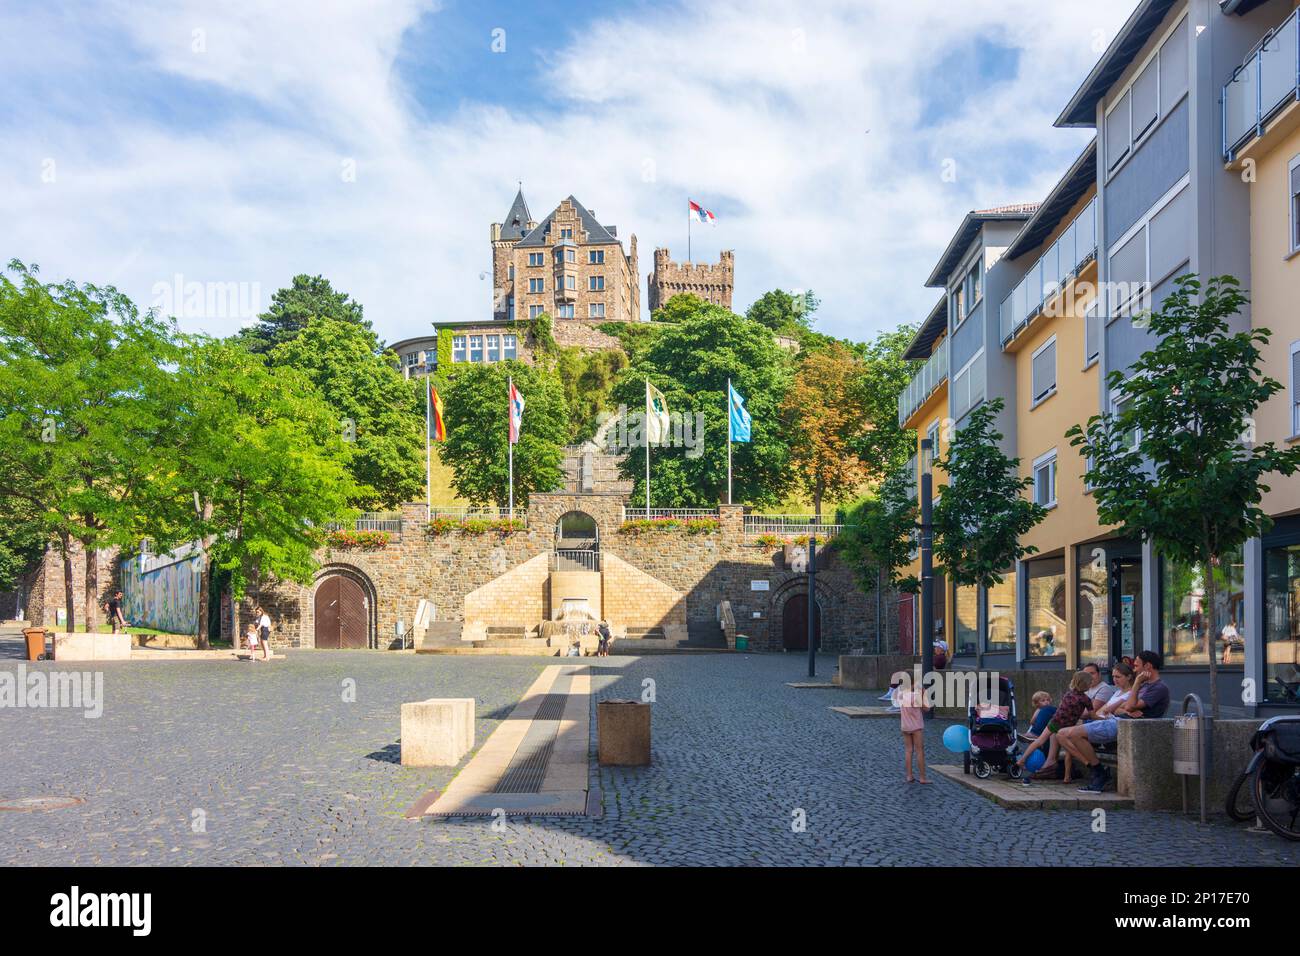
(705, 569)
(712, 282)
(45, 596)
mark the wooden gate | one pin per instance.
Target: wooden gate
(794, 624)
(342, 614)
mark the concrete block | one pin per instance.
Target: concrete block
(872, 671)
(1145, 769)
(623, 733)
(92, 647)
(437, 732)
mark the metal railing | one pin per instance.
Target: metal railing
(924, 383)
(790, 525)
(484, 512)
(389, 521)
(682, 514)
(570, 560)
(1074, 249)
(1266, 81)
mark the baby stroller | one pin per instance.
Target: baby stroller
(993, 741)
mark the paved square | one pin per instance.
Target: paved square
(280, 769)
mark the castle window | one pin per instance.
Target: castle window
(596, 283)
(570, 255)
(458, 348)
(509, 346)
(535, 310)
(571, 282)
(536, 259)
(510, 307)
(476, 348)
(596, 257)
(566, 232)
(536, 285)
(596, 310)
(494, 348)
(510, 272)
(566, 311)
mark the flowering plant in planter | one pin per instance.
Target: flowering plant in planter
(359, 540)
(701, 525)
(769, 540)
(647, 525)
(472, 525)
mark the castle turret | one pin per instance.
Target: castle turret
(712, 282)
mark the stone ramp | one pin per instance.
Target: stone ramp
(535, 763)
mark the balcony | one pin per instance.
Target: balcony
(925, 383)
(1262, 86)
(1075, 248)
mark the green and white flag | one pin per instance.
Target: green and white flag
(657, 429)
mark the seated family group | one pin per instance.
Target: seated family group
(1088, 717)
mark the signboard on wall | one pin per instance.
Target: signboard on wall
(759, 585)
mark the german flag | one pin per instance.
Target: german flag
(437, 428)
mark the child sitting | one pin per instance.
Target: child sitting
(1043, 712)
(1074, 705)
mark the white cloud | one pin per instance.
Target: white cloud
(760, 111)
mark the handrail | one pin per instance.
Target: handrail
(1261, 85)
(1050, 273)
(924, 383)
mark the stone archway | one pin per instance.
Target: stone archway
(789, 615)
(344, 609)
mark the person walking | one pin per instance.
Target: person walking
(114, 609)
(263, 631)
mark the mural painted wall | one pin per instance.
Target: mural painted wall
(162, 591)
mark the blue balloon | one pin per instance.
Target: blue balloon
(1035, 761)
(957, 739)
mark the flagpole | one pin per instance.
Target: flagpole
(428, 443)
(688, 228)
(510, 445)
(647, 449)
(728, 441)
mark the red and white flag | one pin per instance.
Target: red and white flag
(516, 413)
(700, 214)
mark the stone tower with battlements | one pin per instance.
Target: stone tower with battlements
(712, 282)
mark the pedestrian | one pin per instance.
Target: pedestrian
(114, 609)
(911, 708)
(250, 638)
(263, 631)
(603, 631)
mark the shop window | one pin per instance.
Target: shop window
(1183, 612)
(1282, 624)
(1001, 600)
(1094, 605)
(1046, 607)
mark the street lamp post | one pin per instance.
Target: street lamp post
(812, 598)
(927, 563)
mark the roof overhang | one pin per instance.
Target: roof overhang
(934, 325)
(1081, 175)
(1082, 109)
(965, 235)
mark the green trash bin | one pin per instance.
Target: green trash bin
(742, 642)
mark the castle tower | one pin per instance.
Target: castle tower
(712, 282)
(505, 235)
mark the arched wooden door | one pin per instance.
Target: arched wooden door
(342, 614)
(794, 624)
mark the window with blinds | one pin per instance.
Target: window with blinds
(1044, 371)
(1295, 204)
(1295, 388)
(1092, 334)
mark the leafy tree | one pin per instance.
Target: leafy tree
(374, 406)
(588, 381)
(22, 542)
(80, 376)
(258, 469)
(690, 363)
(292, 308)
(983, 513)
(477, 413)
(1177, 465)
(885, 373)
(825, 425)
(679, 308)
(783, 312)
(879, 536)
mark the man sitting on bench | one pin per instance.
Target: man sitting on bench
(1149, 698)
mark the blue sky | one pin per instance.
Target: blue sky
(241, 143)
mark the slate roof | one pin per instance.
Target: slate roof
(596, 233)
(517, 219)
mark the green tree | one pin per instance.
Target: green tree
(588, 380)
(257, 471)
(477, 419)
(784, 312)
(880, 533)
(679, 308)
(983, 513)
(22, 542)
(690, 363)
(307, 297)
(885, 373)
(1177, 465)
(375, 408)
(80, 375)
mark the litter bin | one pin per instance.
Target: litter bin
(742, 642)
(35, 643)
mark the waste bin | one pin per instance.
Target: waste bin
(742, 642)
(622, 733)
(35, 643)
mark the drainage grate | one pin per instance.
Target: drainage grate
(552, 707)
(528, 769)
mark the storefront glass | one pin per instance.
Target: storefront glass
(966, 619)
(1182, 610)
(1094, 605)
(1002, 614)
(1046, 620)
(1282, 624)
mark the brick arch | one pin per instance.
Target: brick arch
(828, 600)
(353, 573)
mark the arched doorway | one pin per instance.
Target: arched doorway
(794, 624)
(342, 613)
(577, 542)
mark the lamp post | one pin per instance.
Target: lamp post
(812, 597)
(927, 562)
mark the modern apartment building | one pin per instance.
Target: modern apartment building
(1194, 169)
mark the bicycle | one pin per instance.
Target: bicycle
(1269, 787)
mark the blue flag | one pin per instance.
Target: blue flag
(740, 421)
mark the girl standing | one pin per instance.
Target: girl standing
(911, 710)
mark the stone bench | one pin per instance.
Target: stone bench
(91, 646)
(1144, 758)
(437, 732)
